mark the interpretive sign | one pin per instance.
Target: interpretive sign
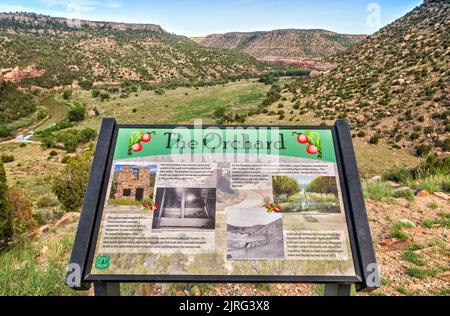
(224, 204)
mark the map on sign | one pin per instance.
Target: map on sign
(225, 202)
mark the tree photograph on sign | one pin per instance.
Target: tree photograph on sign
(306, 195)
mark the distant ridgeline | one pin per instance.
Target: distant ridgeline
(32, 20)
(103, 51)
(284, 44)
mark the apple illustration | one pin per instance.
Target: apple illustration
(146, 138)
(137, 147)
(302, 139)
(312, 150)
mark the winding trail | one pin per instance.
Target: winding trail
(57, 112)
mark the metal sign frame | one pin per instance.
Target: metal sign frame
(357, 221)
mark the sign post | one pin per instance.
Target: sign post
(224, 204)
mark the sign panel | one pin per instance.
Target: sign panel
(243, 202)
(224, 204)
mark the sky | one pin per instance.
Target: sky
(204, 17)
(152, 168)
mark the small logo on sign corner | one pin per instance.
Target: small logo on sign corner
(103, 262)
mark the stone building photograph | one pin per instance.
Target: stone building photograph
(132, 184)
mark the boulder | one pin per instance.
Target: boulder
(393, 184)
(408, 223)
(44, 229)
(393, 244)
(423, 194)
(442, 195)
(91, 114)
(68, 219)
(376, 179)
(400, 189)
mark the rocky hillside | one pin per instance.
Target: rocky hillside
(284, 44)
(394, 86)
(107, 52)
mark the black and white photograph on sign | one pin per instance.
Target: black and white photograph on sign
(132, 184)
(181, 208)
(254, 234)
(305, 195)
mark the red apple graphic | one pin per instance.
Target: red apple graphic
(303, 139)
(137, 147)
(312, 150)
(146, 138)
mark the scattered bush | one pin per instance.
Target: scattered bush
(53, 153)
(86, 84)
(376, 190)
(104, 96)
(76, 113)
(71, 139)
(95, 93)
(5, 158)
(4, 132)
(397, 231)
(403, 193)
(46, 201)
(375, 139)
(67, 94)
(24, 225)
(69, 185)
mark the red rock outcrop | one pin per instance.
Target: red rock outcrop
(16, 74)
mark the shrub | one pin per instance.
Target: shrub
(69, 185)
(24, 225)
(95, 93)
(406, 193)
(53, 153)
(4, 132)
(67, 94)
(423, 150)
(104, 96)
(86, 85)
(375, 139)
(7, 158)
(399, 175)
(377, 190)
(414, 258)
(46, 201)
(76, 113)
(87, 135)
(397, 231)
(160, 91)
(422, 273)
